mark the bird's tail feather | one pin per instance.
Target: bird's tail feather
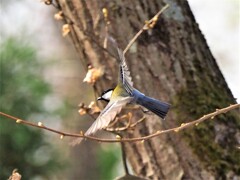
(158, 107)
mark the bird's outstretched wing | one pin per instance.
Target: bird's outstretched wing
(124, 74)
(106, 116)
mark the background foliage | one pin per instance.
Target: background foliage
(21, 94)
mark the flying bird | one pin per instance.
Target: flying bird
(123, 94)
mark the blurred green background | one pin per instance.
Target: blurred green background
(22, 92)
(41, 80)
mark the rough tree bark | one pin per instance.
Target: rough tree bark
(171, 62)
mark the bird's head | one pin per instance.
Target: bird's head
(106, 95)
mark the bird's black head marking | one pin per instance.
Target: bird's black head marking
(106, 95)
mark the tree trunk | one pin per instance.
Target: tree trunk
(171, 62)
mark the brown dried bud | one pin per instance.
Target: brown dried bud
(18, 121)
(59, 15)
(94, 108)
(15, 175)
(40, 124)
(48, 2)
(105, 12)
(93, 75)
(65, 29)
(82, 111)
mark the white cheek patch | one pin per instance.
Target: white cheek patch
(107, 95)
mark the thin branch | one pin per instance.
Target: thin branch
(148, 24)
(125, 116)
(137, 122)
(70, 21)
(124, 159)
(160, 132)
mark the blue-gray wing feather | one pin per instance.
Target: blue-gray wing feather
(125, 77)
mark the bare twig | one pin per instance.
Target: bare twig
(124, 159)
(107, 23)
(128, 117)
(139, 121)
(148, 25)
(160, 132)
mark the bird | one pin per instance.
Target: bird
(124, 93)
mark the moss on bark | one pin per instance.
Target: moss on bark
(214, 141)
